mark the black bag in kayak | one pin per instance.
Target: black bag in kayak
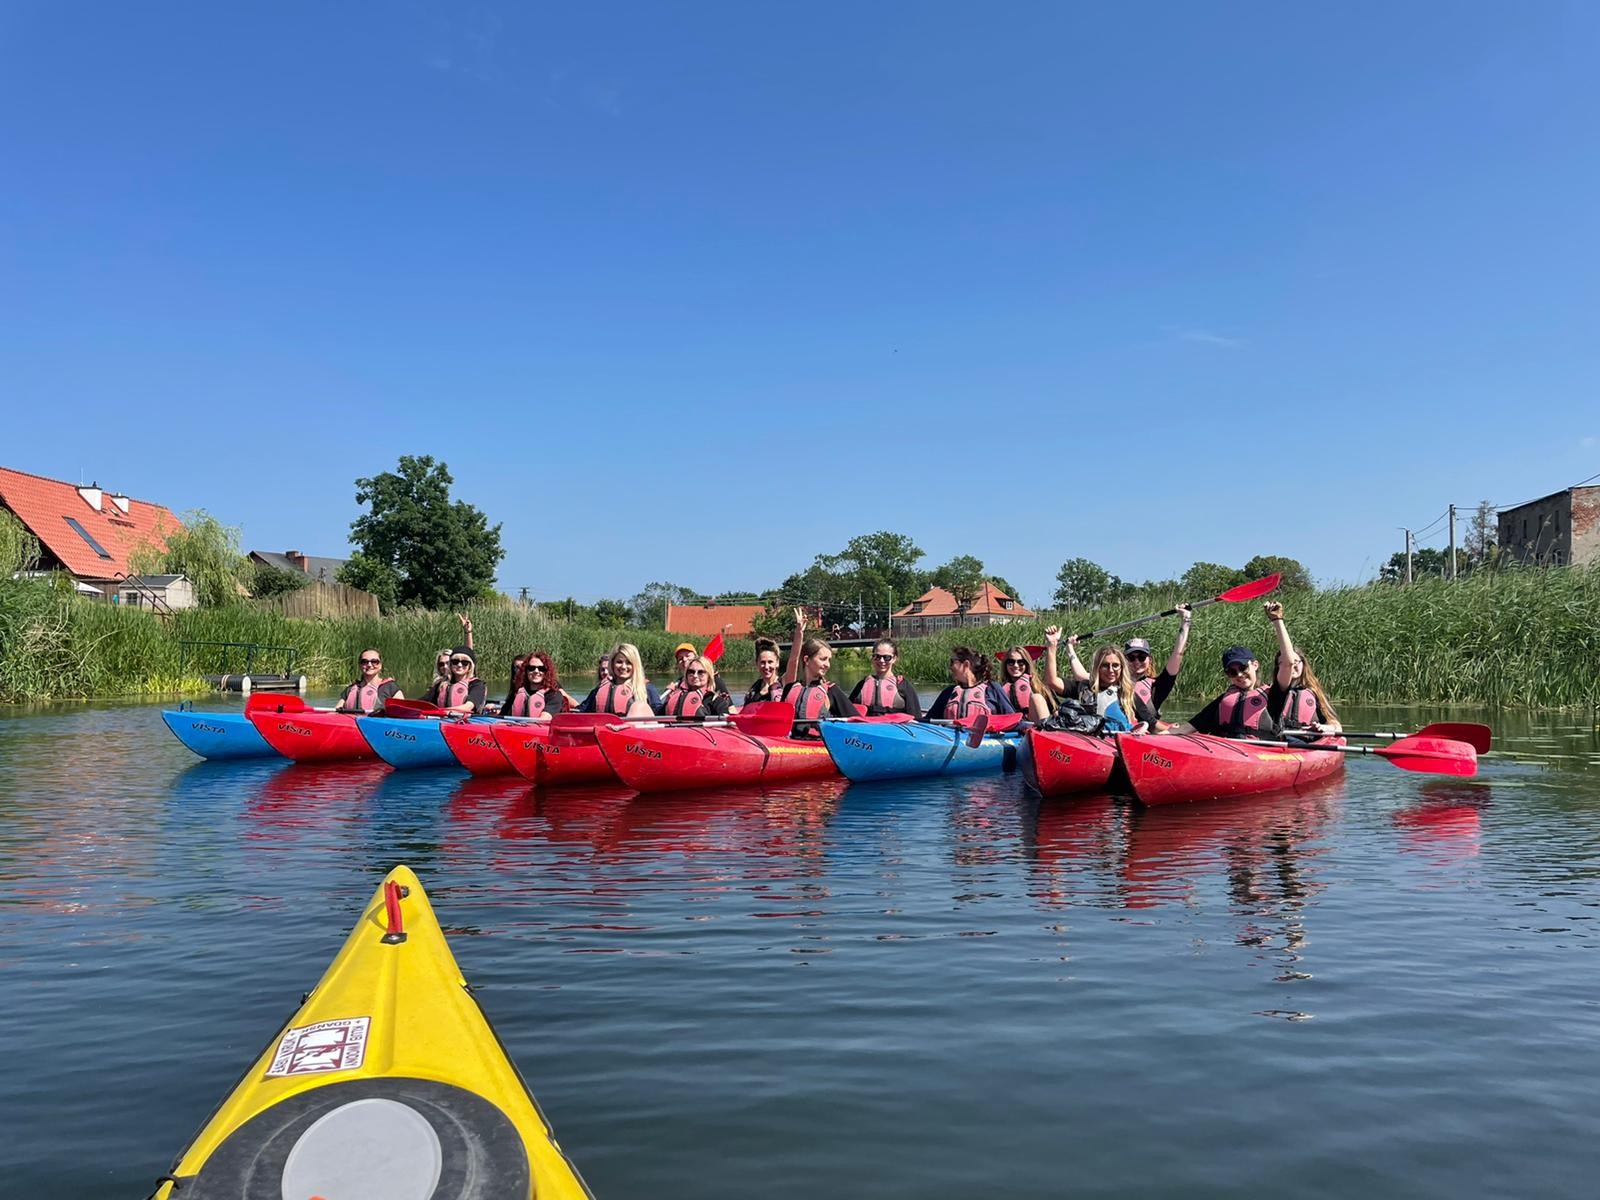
(1072, 717)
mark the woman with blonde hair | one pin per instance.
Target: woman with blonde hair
(695, 697)
(1107, 687)
(1021, 683)
(626, 693)
(806, 684)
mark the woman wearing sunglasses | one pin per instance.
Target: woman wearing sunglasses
(440, 680)
(540, 695)
(1246, 708)
(372, 689)
(1106, 687)
(971, 691)
(1150, 691)
(463, 693)
(1021, 683)
(883, 691)
(695, 696)
(1301, 706)
(625, 692)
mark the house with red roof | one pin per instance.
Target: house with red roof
(87, 531)
(936, 610)
(707, 620)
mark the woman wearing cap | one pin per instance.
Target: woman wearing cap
(620, 694)
(971, 691)
(883, 691)
(685, 651)
(372, 689)
(806, 684)
(695, 697)
(1150, 691)
(1245, 709)
(540, 695)
(768, 686)
(1021, 683)
(463, 693)
(1107, 687)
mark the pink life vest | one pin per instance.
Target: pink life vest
(683, 703)
(967, 702)
(1240, 712)
(528, 704)
(810, 700)
(881, 693)
(1020, 693)
(1299, 710)
(362, 697)
(453, 695)
(1145, 689)
(613, 698)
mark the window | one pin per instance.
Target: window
(88, 537)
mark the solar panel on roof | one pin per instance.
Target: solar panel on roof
(88, 537)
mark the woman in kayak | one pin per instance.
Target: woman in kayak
(695, 697)
(1300, 706)
(883, 691)
(971, 691)
(1245, 709)
(372, 690)
(806, 684)
(516, 683)
(1107, 688)
(441, 678)
(464, 693)
(1150, 691)
(540, 695)
(768, 685)
(617, 695)
(1020, 682)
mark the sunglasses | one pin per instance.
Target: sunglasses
(1016, 662)
(883, 658)
(372, 662)
(443, 662)
(535, 669)
(1237, 669)
(460, 662)
(1137, 656)
(695, 671)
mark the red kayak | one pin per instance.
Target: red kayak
(308, 735)
(1168, 769)
(664, 758)
(549, 758)
(474, 745)
(1059, 763)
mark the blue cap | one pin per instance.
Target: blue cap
(1237, 654)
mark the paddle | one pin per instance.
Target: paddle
(1253, 590)
(1476, 736)
(1430, 755)
(979, 727)
(993, 722)
(271, 702)
(411, 709)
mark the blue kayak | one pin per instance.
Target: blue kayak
(864, 751)
(217, 735)
(407, 742)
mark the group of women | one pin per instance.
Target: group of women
(1119, 690)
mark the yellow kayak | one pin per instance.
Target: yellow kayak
(387, 1084)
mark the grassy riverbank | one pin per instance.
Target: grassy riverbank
(1510, 639)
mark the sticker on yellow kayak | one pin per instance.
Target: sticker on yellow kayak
(326, 1046)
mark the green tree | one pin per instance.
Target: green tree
(1295, 577)
(268, 580)
(441, 553)
(1083, 584)
(19, 549)
(370, 575)
(1425, 562)
(206, 552)
(648, 609)
(1483, 536)
(611, 614)
(1205, 579)
(963, 578)
(1001, 585)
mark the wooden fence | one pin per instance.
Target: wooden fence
(319, 599)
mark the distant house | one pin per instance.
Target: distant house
(158, 591)
(936, 610)
(85, 530)
(707, 620)
(321, 569)
(1557, 530)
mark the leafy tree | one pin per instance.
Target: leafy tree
(1209, 579)
(963, 578)
(267, 580)
(19, 549)
(370, 575)
(1483, 535)
(1428, 561)
(1001, 585)
(611, 614)
(1083, 584)
(206, 552)
(441, 553)
(1295, 577)
(648, 609)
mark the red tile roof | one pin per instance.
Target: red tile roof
(936, 602)
(707, 620)
(44, 505)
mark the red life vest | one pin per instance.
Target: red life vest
(966, 701)
(1020, 693)
(1299, 710)
(528, 704)
(882, 693)
(453, 695)
(1240, 712)
(362, 697)
(810, 700)
(683, 703)
(613, 698)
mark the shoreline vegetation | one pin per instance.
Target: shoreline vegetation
(1511, 638)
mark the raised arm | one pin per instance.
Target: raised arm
(1285, 674)
(1175, 659)
(1079, 671)
(1052, 671)
(466, 630)
(792, 671)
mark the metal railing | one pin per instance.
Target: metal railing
(247, 652)
(143, 590)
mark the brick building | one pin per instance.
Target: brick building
(1557, 530)
(936, 610)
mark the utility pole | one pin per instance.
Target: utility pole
(861, 613)
(1408, 556)
(523, 599)
(1452, 541)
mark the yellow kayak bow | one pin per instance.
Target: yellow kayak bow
(388, 1084)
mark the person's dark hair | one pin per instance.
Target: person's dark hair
(894, 647)
(978, 662)
(551, 680)
(516, 671)
(766, 643)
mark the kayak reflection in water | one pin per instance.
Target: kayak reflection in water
(807, 687)
(1250, 710)
(1107, 689)
(971, 691)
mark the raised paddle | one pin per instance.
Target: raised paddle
(1430, 755)
(1474, 735)
(1253, 590)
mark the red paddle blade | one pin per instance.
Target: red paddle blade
(980, 726)
(1431, 755)
(411, 708)
(273, 702)
(713, 650)
(1004, 722)
(765, 720)
(1479, 737)
(577, 722)
(1252, 590)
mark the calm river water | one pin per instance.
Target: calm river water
(1385, 987)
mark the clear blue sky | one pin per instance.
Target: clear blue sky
(664, 283)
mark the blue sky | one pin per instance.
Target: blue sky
(694, 292)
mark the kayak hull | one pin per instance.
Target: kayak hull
(407, 743)
(666, 758)
(218, 735)
(312, 736)
(387, 1075)
(866, 752)
(550, 759)
(1164, 769)
(1062, 763)
(473, 745)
